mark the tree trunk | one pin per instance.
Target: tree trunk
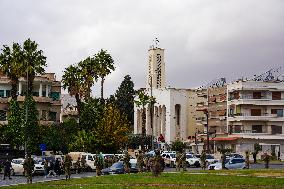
(143, 130)
(78, 101)
(14, 91)
(31, 78)
(143, 122)
(102, 88)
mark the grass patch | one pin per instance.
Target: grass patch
(206, 180)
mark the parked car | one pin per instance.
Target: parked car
(118, 168)
(17, 166)
(209, 158)
(169, 159)
(234, 155)
(191, 160)
(230, 163)
(90, 161)
(39, 167)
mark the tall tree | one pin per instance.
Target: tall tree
(11, 64)
(105, 65)
(72, 81)
(125, 98)
(112, 130)
(32, 135)
(91, 113)
(34, 62)
(14, 129)
(88, 69)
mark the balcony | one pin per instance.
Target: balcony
(249, 117)
(41, 99)
(248, 99)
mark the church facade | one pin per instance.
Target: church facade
(172, 116)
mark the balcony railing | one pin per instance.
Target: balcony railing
(250, 97)
(249, 115)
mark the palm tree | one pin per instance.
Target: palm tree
(34, 62)
(72, 81)
(89, 75)
(11, 64)
(143, 101)
(105, 65)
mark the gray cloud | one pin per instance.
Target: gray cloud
(204, 39)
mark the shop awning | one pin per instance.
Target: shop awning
(224, 139)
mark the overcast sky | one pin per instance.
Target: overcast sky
(203, 39)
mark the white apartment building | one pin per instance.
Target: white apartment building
(255, 115)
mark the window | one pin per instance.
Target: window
(276, 95)
(8, 93)
(256, 129)
(52, 116)
(43, 115)
(255, 112)
(278, 112)
(43, 93)
(1, 93)
(275, 129)
(3, 115)
(55, 95)
(256, 95)
(237, 128)
(35, 93)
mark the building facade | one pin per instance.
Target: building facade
(255, 114)
(174, 115)
(46, 93)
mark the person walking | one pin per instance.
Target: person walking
(45, 166)
(183, 160)
(247, 160)
(126, 162)
(7, 169)
(140, 162)
(203, 160)
(51, 168)
(67, 166)
(29, 167)
(57, 167)
(99, 163)
(178, 161)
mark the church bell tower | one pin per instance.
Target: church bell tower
(156, 68)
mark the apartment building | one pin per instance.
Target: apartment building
(46, 93)
(255, 115)
(69, 108)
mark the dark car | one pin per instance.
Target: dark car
(116, 168)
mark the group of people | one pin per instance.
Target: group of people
(150, 163)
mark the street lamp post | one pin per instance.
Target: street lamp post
(207, 131)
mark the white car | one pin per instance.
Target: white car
(39, 167)
(17, 166)
(232, 163)
(191, 160)
(170, 159)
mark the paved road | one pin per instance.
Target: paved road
(22, 180)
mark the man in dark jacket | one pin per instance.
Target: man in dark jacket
(7, 169)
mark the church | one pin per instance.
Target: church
(174, 115)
